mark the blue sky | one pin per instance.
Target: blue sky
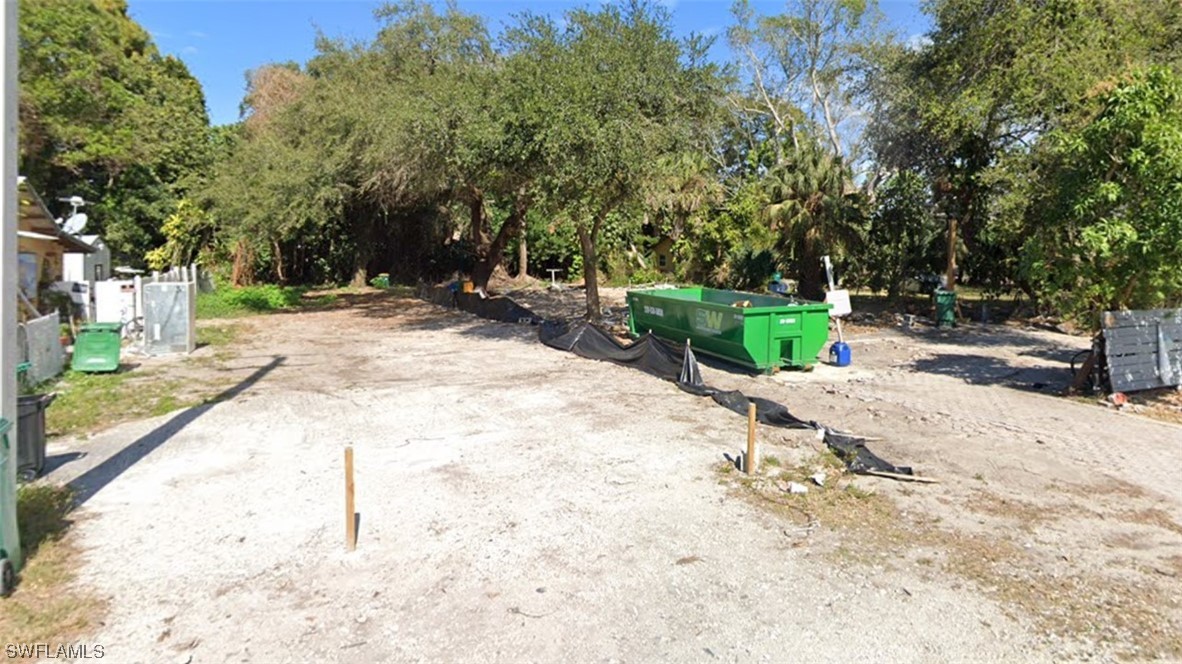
(221, 39)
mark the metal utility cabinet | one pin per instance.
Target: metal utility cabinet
(763, 332)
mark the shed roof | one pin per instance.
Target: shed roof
(39, 220)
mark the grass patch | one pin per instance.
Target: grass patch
(89, 402)
(45, 608)
(253, 300)
(218, 335)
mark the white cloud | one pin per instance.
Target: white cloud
(197, 34)
(189, 50)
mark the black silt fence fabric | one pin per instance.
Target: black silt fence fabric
(501, 309)
(658, 358)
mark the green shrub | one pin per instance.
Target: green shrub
(751, 269)
(235, 302)
(649, 275)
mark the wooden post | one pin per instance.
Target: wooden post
(350, 513)
(750, 460)
(1085, 373)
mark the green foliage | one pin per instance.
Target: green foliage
(904, 239)
(972, 108)
(807, 202)
(248, 300)
(713, 240)
(185, 231)
(1109, 228)
(618, 94)
(105, 116)
(751, 269)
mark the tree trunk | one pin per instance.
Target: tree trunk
(522, 258)
(278, 259)
(489, 257)
(242, 273)
(363, 233)
(590, 273)
(476, 219)
(812, 272)
(360, 275)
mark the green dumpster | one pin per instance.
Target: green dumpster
(380, 281)
(945, 308)
(97, 347)
(10, 541)
(762, 332)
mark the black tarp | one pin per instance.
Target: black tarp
(493, 308)
(658, 358)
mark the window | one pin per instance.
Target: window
(98, 272)
(663, 260)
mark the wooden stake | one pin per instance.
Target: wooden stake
(350, 513)
(750, 462)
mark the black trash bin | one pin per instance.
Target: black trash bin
(30, 449)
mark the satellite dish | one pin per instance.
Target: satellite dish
(75, 224)
(76, 201)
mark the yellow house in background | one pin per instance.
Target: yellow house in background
(663, 254)
(41, 245)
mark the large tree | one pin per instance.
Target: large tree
(622, 93)
(104, 115)
(969, 106)
(1107, 230)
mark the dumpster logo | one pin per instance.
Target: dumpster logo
(654, 311)
(708, 321)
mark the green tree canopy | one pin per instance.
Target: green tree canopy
(105, 116)
(1109, 228)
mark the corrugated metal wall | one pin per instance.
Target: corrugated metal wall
(1143, 348)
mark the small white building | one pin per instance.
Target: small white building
(81, 271)
(88, 267)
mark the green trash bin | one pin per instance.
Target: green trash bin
(10, 541)
(945, 308)
(97, 347)
(381, 281)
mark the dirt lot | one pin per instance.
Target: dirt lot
(521, 504)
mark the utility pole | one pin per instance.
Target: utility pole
(9, 209)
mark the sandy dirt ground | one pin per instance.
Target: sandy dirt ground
(521, 504)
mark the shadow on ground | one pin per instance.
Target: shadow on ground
(993, 336)
(986, 370)
(85, 486)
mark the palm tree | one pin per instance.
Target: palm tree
(685, 185)
(812, 204)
